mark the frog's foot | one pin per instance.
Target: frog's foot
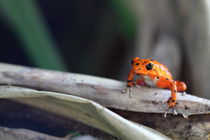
(130, 92)
(128, 89)
(171, 103)
(173, 110)
(165, 114)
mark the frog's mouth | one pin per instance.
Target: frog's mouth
(139, 73)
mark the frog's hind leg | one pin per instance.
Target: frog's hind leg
(170, 84)
(181, 86)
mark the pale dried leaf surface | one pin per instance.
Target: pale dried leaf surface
(82, 110)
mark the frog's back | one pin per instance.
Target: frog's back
(162, 70)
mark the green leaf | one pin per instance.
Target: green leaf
(127, 19)
(29, 27)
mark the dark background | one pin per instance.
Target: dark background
(78, 32)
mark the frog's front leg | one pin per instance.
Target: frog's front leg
(130, 82)
(164, 82)
(130, 79)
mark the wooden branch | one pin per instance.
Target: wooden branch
(109, 93)
(104, 91)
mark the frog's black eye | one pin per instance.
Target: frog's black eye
(149, 66)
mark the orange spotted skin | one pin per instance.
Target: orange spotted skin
(154, 74)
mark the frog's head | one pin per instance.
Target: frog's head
(142, 66)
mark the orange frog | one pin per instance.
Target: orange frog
(154, 74)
